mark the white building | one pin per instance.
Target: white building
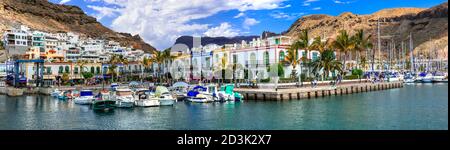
(254, 56)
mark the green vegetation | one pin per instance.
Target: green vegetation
(326, 63)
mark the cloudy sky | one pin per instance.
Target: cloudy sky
(160, 22)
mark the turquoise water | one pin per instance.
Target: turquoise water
(414, 107)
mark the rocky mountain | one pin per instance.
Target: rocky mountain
(188, 40)
(49, 17)
(429, 27)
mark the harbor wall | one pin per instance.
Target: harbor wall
(309, 93)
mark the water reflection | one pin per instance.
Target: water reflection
(421, 106)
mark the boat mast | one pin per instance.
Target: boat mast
(411, 49)
(379, 43)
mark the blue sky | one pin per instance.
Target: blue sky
(160, 22)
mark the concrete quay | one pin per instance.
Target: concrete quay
(272, 94)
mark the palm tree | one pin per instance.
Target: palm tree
(362, 43)
(291, 58)
(146, 62)
(113, 62)
(304, 43)
(319, 45)
(326, 62)
(81, 64)
(158, 58)
(344, 44)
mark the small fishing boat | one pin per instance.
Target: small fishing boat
(197, 95)
(144, 98)
(124, 98)
(164, 96)
(86, 98)
(65, 95)
(103, 102)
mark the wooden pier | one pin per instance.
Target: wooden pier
(309, 92)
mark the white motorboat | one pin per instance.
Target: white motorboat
(179, 90)
(124, 98)
(426, 77)
(198, 95)
(439, 77)
(164, 96)
(86, 98)
(144, 98)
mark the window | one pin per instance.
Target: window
(67, 69)
(266, 58)
(92, 70)
(61, 69)
(98, 70)
(49, 70)
(314, 56)
(281, 56)
(277, 41)
(253, 59)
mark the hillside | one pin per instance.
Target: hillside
(49, 17)
(427, 25)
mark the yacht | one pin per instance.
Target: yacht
(144, 98)
(124, 97)
(86, 98)
(198, 95)
(439, 77)
(164, 96)
(409, 78)
(425, 77)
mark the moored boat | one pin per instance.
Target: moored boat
(55, 93)
(124, 98)
(196, 95)
(164, 96)
(86, 98)
(426, 77)
(227, 93)
(104, 102)
(144, 98)
(439, 77)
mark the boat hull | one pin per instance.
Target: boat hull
(147, 103)
(199, 100)
(104, 105)
(124, 104)
(166, 102)
(84, 101)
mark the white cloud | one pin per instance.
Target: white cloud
(282, 15)
(317, 8)
(224, 30)
(160, 22)
(104, 11)
(250, 22)
(64, 1)
(342, 2)
(239, 15)
(308, 2)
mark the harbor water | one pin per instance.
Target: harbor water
(414, 107)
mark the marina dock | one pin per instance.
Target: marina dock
(272, 94)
